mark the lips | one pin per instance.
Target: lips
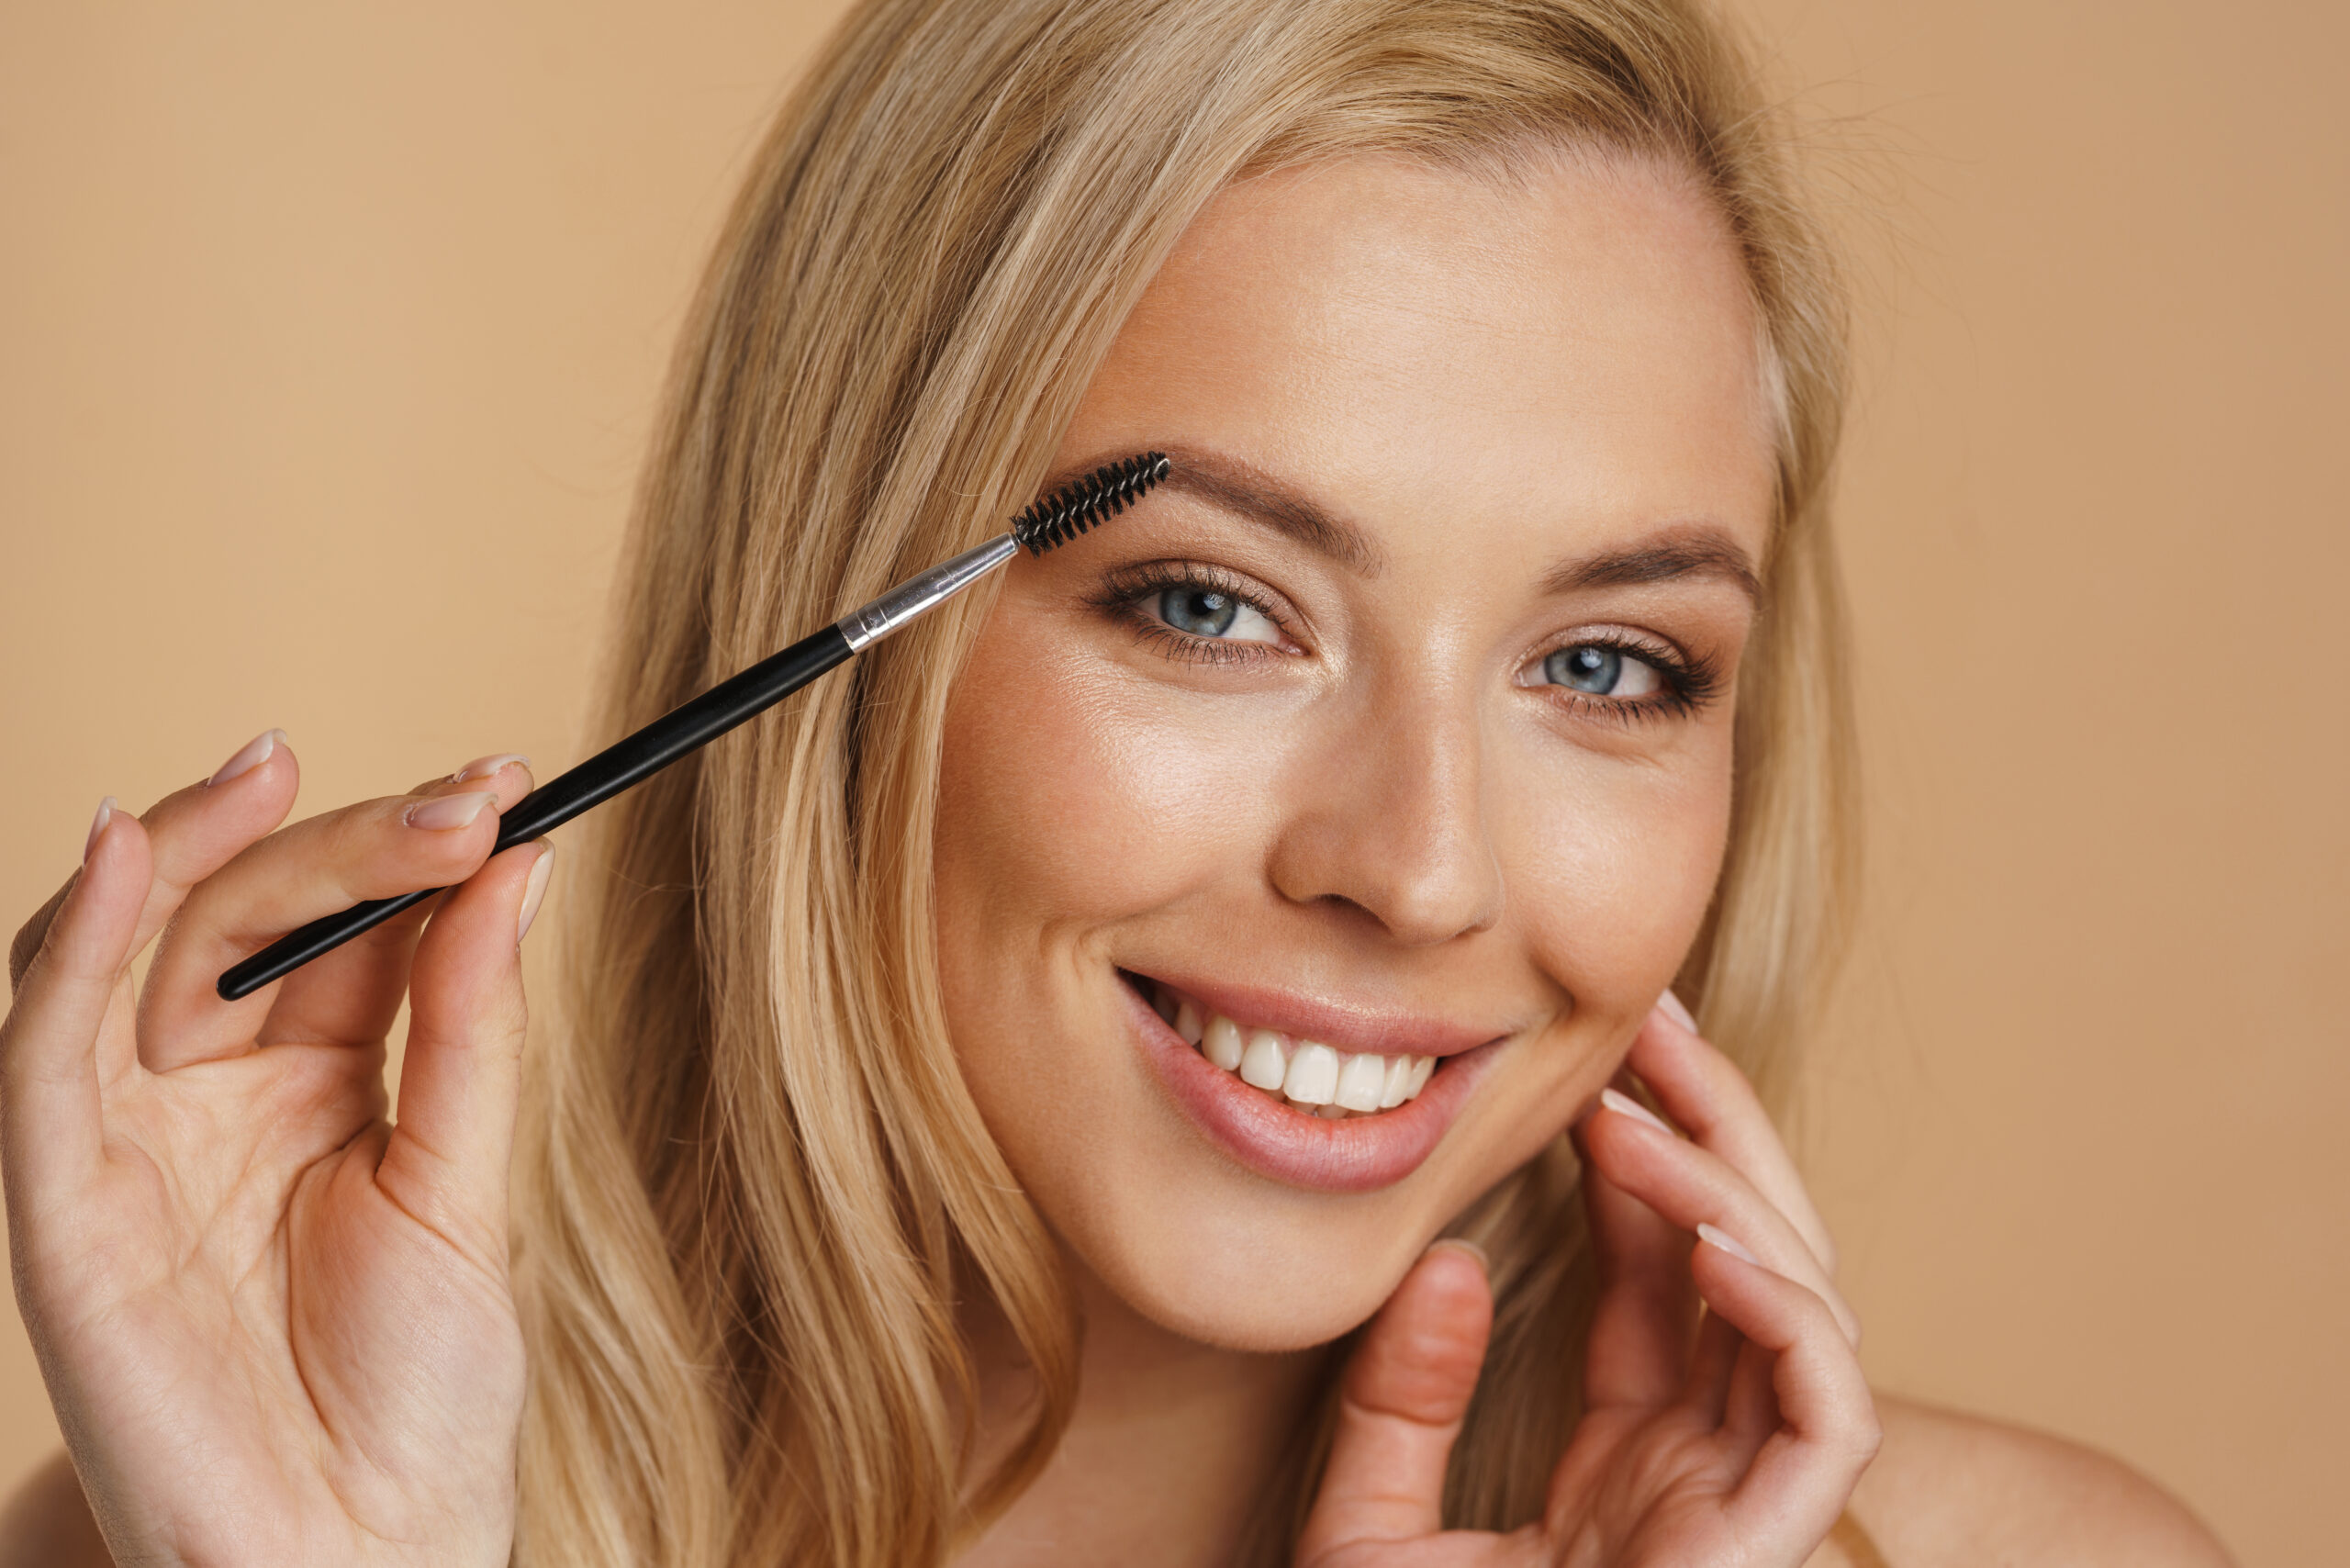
(1311, 1074)
(1327, 1110)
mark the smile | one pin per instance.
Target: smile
(1316, 1093)
(1333, 1084)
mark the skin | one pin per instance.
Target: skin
(1376, 808)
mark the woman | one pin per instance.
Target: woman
(946, 1151)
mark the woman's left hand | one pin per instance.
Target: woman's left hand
(1737, 1448)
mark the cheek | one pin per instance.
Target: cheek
(1617, 875)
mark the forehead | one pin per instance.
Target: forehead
(1571, 342)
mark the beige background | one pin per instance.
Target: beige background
(329, 337)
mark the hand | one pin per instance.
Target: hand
(276, 1329)
(1738, 1452)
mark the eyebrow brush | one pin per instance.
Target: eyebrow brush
(1049, 524)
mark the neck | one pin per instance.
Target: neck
(1166, 1456)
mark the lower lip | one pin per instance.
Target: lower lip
(1273, 1138)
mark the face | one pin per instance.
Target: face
(1385, 748)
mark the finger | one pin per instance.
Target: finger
(191, 834)
(376, 849)
(49, 1112)
(507, 773)
(461, 1080)
(1716, 1103)
(350, 995)
(1827, 1429)
(1400, 1406)
(1692, 1186)
(1713, 1368)
(1640, 1327)
(1751, 1409)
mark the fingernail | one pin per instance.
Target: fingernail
(1462, 1244)
(484, 766)
(1672, 1007)
(98, 828)
(536, 890)
(1713, 1237)
(444, 813)
(250, 756)
(1625, 1105)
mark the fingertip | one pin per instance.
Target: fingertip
(98, 826)
(534, 889)
(98, 915)
(254, 754)
(1714, 1237)
(1467, 1248)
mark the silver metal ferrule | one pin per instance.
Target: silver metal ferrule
(916, 595)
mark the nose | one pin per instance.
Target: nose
(1389, 818)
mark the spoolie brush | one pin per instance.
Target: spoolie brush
(1078, 506)
(1053, 522)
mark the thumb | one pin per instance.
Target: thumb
(461, 1080)
(1400, 1406)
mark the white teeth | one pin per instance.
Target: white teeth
(1360, 1080)
(1262, 1064)
(1313, 1074)
(1222, 1044)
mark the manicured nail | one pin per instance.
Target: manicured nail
(1670, 1006)
(1625, 1105)
(444, 813)
(1462, 1244)
(536, 890)
(98, 828)
(1728, 1243)
(253, 754)
(484, 767)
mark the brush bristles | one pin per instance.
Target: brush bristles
(1078, 506)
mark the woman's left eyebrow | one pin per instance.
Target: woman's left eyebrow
(1703, 551)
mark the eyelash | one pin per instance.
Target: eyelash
(1124, 594)
(1688, 682)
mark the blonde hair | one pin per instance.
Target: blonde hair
(752, 1184)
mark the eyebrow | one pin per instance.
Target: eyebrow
(1704, 551)
(1247, 491)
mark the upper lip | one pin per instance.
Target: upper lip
(1350, 1026)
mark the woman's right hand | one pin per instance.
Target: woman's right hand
(276, 1328)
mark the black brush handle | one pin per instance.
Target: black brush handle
(683, 729)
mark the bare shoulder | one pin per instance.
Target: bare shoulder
(1952, 1489)
(46, 1524)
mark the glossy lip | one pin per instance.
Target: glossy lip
(1361, 1154)
(1353, 1029)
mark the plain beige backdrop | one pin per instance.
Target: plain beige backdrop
(329, 337)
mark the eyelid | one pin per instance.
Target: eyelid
(1690, 680)
(1124, 588)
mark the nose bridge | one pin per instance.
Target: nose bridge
(1396, 823)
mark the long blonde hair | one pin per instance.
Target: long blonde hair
(752, 1184)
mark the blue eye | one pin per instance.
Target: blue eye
(1601, 670)
(1211, 614)
(1200, 612)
